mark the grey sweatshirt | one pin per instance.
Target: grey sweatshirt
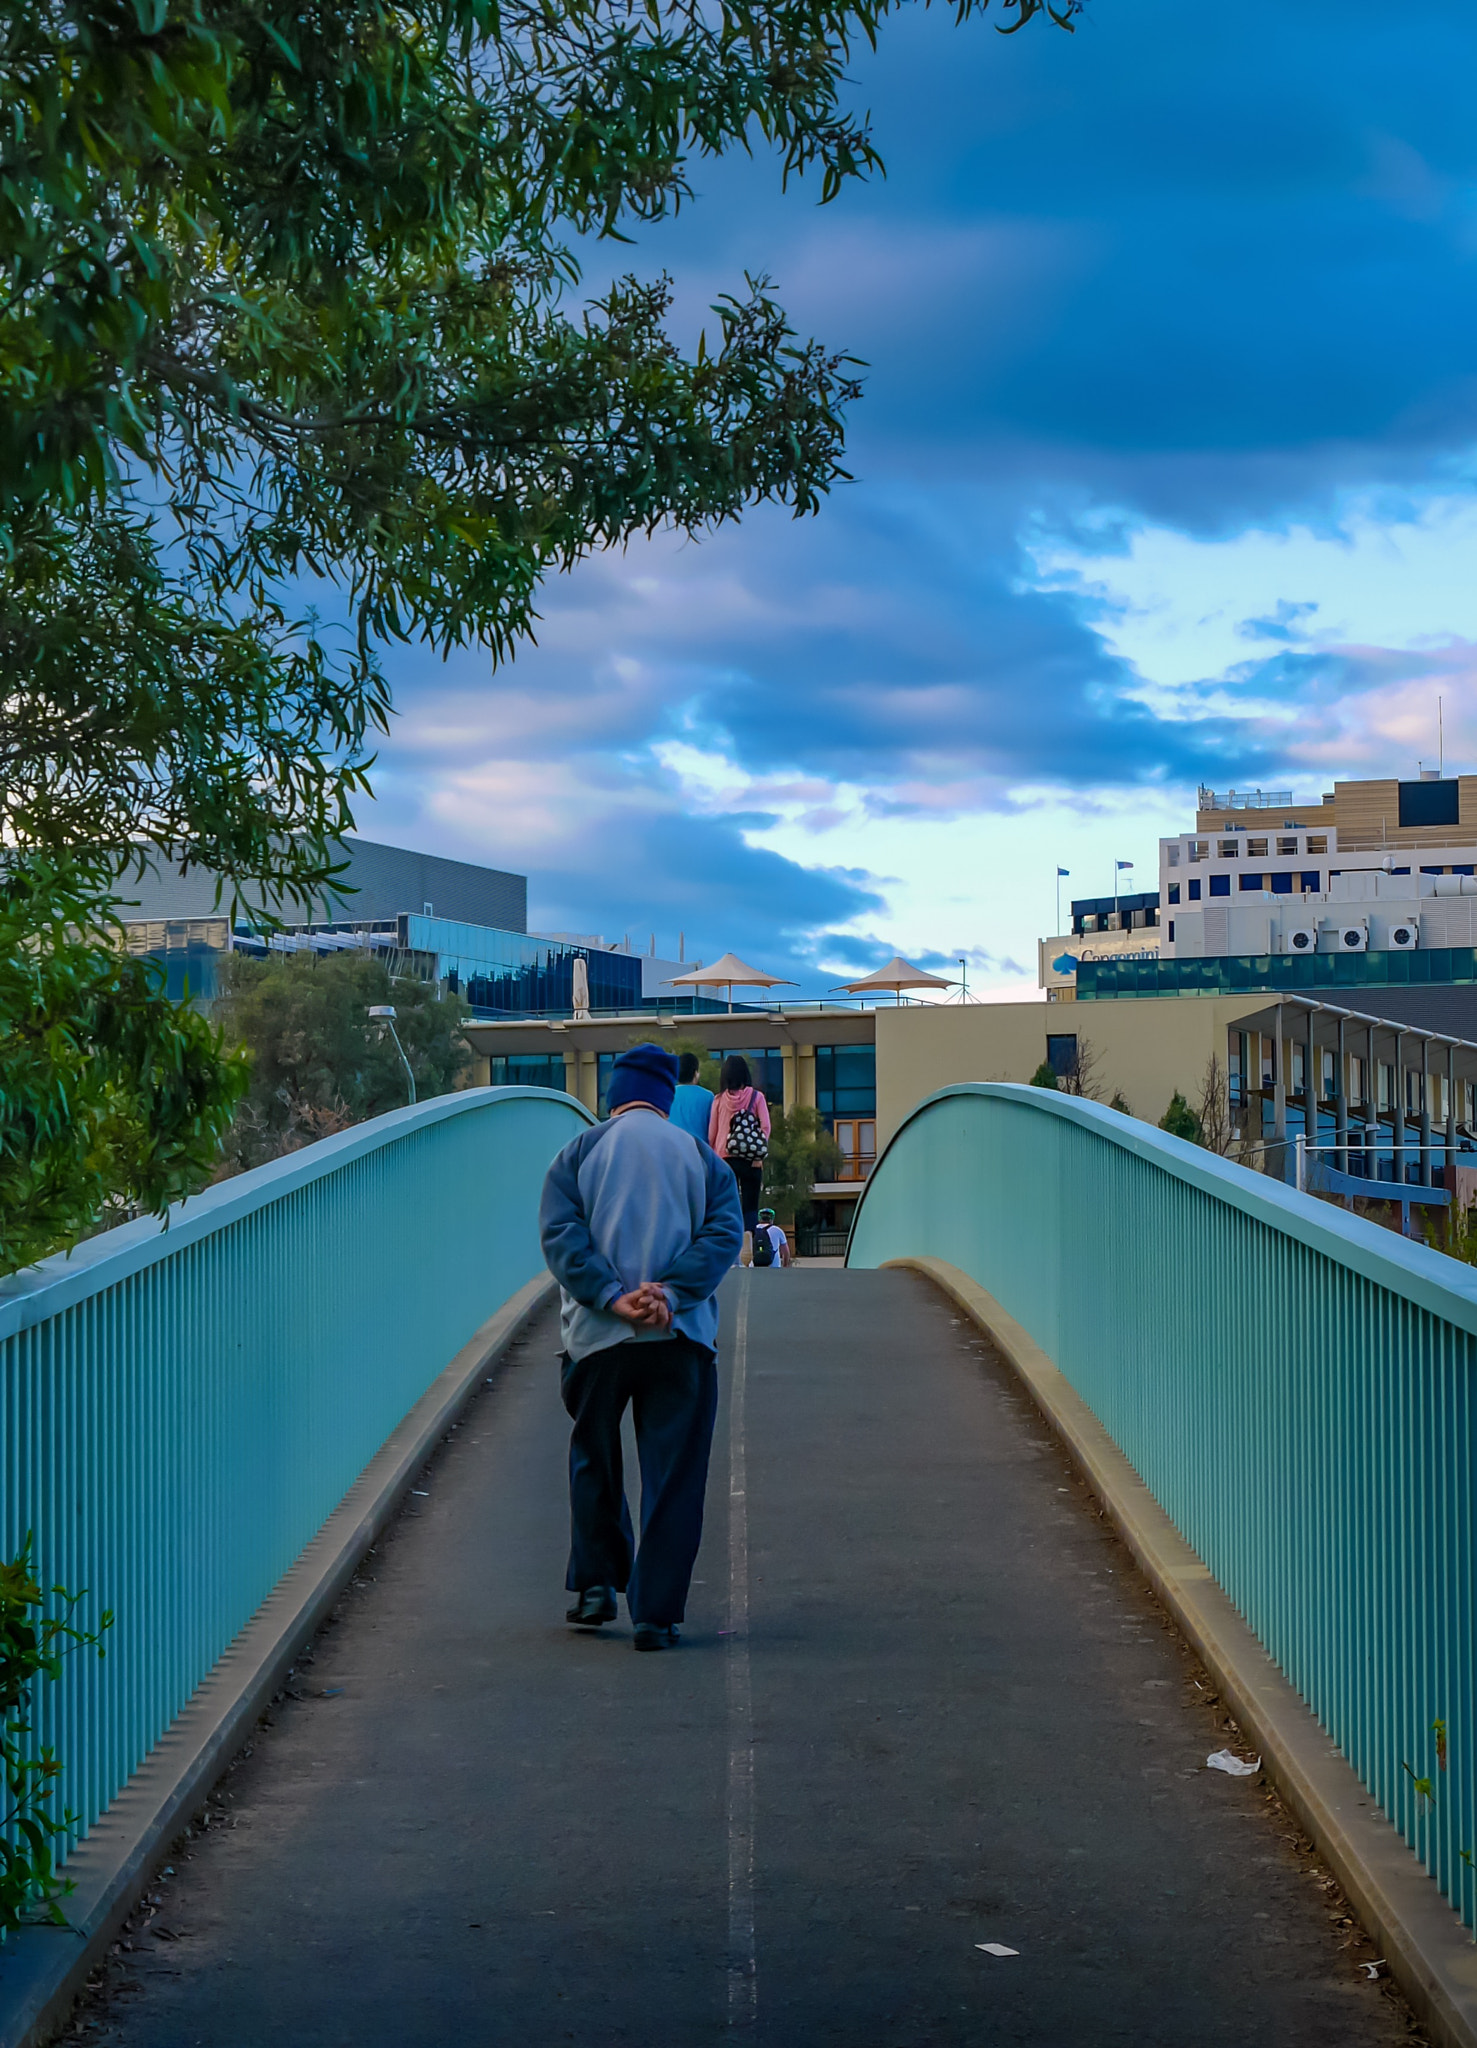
(638, 1199)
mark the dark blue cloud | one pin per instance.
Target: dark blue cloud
(1201, 265)
(1183, 232)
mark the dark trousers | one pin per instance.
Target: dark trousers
(750, 1177)
(672, 1388)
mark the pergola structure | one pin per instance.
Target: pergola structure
(1386, 1085)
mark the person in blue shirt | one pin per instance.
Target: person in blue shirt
(691, 1105)
(639, 1223)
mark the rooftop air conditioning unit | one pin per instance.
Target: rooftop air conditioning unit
(1354, 938)
(1404, 938)
(1303, 939)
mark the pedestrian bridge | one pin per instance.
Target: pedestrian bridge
(930, 1764)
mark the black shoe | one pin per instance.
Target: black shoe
(656, 1635)
(594, 1605)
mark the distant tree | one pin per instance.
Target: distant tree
(1180, 1120)
(1079, 1076)
(707, 1071)
(317, 1065)
(1119, 1104)
(801, 1152)
(1213, 1112)
(1044, 1077)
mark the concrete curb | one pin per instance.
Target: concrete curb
(1429, 1951)
(43, 1969)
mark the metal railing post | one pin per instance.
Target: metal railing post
(1397, 1136)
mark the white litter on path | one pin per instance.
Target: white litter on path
(996, 1948)
(1234, 1766)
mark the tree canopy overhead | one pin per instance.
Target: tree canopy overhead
(289, 299)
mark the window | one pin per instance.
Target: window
(1171, 931)
(527, 1070)
(1287, 846)
(1282, 885)
(845, 1081)
(1400, 871)
(1326, 1085)
(1220, 885)
(1433, 871)
(1174, 892)
(1229, 849)
(1385, 1082)
(1061, 1052)
(1430, 803)
(857, 1138)
(1298, 1064)
(1253, 881)
(1256, 849)
(1356, 1081)
(1195, 890)
(1462, 871)
(1171, 856)
(1310, 882)
(1317, 842)
(1198, 849)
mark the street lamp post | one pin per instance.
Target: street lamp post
(384, 1015)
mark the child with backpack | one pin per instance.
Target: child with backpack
(738, 1131)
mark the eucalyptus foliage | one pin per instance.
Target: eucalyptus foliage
(287, 302)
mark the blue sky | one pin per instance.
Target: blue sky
(1166, 472)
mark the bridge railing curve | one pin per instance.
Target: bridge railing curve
(1295, 1385)
(181, 1409)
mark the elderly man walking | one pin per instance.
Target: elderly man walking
(640, 1221)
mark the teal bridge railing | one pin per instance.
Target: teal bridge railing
(182, 1409)
(1296, 1386)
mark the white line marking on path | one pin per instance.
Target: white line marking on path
(743, 1976)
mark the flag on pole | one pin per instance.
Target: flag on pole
(1125, 863)
(1064, 871)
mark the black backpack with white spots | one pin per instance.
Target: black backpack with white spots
(747, 1144)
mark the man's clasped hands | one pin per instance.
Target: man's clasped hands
(646, 1306)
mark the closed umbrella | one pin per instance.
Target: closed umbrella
(897, 975)
(580, 989)
(730, 972)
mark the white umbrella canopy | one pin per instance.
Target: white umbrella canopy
(730, 972)
(580, 989)
(897, 975)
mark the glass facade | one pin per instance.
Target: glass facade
(186, 950)
(1239, 973)
(527, 1070)
(509, 974)
(845, 1081)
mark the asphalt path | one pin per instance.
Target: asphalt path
(922, 1703)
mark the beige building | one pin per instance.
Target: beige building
(1384, 815)
(1143, 1050)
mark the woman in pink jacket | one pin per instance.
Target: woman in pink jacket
(740, 1099)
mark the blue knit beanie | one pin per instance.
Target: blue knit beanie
(647, 1073)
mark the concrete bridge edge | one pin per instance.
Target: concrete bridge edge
(1430, 1953)
(44, 1968)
